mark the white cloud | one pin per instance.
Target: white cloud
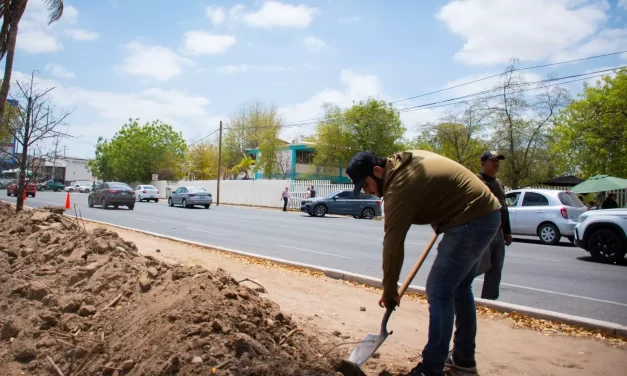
(38, 41)
(607, 41)
(622, 4)
(275, 14)
(59, 71)
(356, 87)
(153, 61)
(245, 68)
(81, 34)
(102, 113)
(496, 31)
(313, 44)
(216, 15)
(203, 43)
(36, 36)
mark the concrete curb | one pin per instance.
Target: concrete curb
(603, 326)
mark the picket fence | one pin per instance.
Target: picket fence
(298, 189)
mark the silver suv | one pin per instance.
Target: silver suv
(545, 213)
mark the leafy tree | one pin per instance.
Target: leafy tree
(244, 165)
(11, 12)
(137, 151)
(202, 161)
(590, 136)
(521, 125)
(368, 125)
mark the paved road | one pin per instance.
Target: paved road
(559, 278)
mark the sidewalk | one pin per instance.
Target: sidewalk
(332, 306)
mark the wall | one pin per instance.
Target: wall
(236, 192)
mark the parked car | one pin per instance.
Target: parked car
(189, 197)
(73, 188)
(147, 192)
(84, 188)
(342, 202)
(545, 213)
(52, 186)
(13, 189)
(4, 183)
(112, 194)
(603, 233)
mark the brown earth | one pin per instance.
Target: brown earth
(87, 303)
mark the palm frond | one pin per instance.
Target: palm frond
(55, 9)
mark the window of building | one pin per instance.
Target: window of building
(304, 156)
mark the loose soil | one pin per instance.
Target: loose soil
(85, 302)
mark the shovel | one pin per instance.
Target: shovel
(372, 342)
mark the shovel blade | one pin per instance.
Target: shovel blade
(367, 347)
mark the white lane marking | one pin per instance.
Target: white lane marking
(320, 253)
(146, 220)
(560, 293)
(206, 232)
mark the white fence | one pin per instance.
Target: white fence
(254, 192)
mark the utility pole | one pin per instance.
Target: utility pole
(54, 160)
(219, 164)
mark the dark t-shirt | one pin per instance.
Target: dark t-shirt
(313, 193)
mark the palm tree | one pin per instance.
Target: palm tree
(243, 166)
(11, 12)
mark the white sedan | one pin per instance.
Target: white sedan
(146, 193)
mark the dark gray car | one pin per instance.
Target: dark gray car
(189, 197)
(112, 194)
(343, 203)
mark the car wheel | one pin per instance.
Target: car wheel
(131, 207)
(320, 210)
(8, 194)
(103, 203)
(185, 203)
(89, 202)
(116, 206)
(606, 246)
(207, 206)
(139, 198)
(571, 239)
(549, 234)
(156, 200)
(368, 213)
(170, 201)
(32, 195)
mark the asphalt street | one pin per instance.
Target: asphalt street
(559, 278)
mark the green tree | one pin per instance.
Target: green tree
(521, 124)
(590, 135)
(245, 165)
(137, 151)
(202, 162)
(368, 125)
(11, 12)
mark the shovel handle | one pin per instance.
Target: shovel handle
(417, 266)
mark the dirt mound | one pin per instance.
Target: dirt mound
(90, 304)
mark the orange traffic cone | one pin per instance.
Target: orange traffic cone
(24, 194)
(67, 201)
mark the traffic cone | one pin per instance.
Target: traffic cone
(67, 201)
(24, 194)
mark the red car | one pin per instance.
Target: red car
(31, 190)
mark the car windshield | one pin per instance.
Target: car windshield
(196, 189)
(332, 194)
(569, 199)
(149, 187)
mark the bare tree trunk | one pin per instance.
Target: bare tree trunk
(24, 162)
(16, 15)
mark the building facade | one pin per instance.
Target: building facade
(296, 162)
(67, 170)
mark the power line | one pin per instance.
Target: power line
(515, 70)
(207, 136)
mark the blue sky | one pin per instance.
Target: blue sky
(193, 64)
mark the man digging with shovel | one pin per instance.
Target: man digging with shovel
(420, 187)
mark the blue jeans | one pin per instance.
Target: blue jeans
(449, 290)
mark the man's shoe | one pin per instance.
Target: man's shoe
(454, 363)
(420, 370)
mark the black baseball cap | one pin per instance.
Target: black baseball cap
(490, 155)
(360, 167)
